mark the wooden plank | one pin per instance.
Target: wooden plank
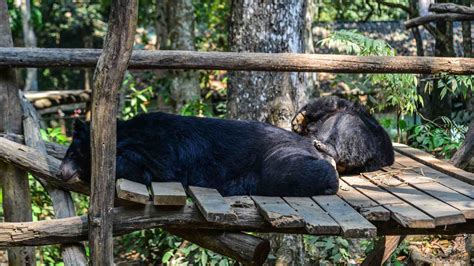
(212, 205)
(437, 190)
(442, 213)
(442, 178)
(277, 212)
(168, 193)
(132, 191)
(370, 209)
(428, 159)
(352, 223)
(402, 212)
(317, 221)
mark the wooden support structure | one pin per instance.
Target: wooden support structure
(384, 247)
(451, 8)
(437, 17)
(63, 204)
(160, 59)
(212, 205)
(108, 77)
(14, 182)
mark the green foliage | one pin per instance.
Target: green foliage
(327, 249)
(441, 137)
(358, 10)
(457, 85)
(54, 135)
(136, 100)
(212, 18)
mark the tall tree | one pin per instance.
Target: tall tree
(16, 193)
(270, 27)
(29, 40)
(174, 26)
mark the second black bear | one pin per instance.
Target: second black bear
(347, 132)
(234, 157)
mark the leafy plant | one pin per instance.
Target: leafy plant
(136, 100)
(441, 137)
(327, 249)
(398, 90)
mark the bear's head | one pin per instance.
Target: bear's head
(76, 165)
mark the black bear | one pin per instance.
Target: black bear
(347, 132)
(234, 157)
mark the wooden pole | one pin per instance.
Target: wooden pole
(451, 8)
(63, 204)
(437, 17)
(141, 59)
(108, 78)
(16, 193)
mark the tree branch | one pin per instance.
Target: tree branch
(451, 8)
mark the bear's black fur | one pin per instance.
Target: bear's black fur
(347, 132)
(234, 157)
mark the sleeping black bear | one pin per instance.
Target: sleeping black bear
(234, 157)
(347, 132)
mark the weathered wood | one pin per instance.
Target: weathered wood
(277, 212)
(316, 220)
(16, 199)
(63, 204)
(47, 99)
(352, 223)
(437, 17)
(42, 166)
(402, 212)
(441, 212)
(132, 191)
(464, 156)
(371, 210)
(108, 77)
(168, 193)
(160, 59)
(384, 247)
(431, 161)
(212, 205)
(442, 178)
(393, 228)
(436, 190)
(451, 8)
(246, 249)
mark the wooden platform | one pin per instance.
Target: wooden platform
(417, 194)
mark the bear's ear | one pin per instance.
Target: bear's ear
(80, 128)
(299, 122)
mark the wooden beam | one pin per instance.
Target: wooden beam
(160, 59)
(278, 213)
(14, 182)
(246, 249)
(63, 204)
(132, 191)
(43, 166)
(47, 99)
(451, 8)
(437, 17)
(212, 205)
(108, 78)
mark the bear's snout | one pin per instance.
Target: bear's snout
(69, 171)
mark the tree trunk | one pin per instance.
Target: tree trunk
(271, 27)
(185, 83)
(263, 26)
(29, 39)
(463, 158)
(16, 193)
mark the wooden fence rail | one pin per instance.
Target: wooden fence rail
(141, 59)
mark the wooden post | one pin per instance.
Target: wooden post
(383, 249)
(108, 77)
(63, 205)
(16, 194)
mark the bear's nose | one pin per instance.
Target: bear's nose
(67, 170)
